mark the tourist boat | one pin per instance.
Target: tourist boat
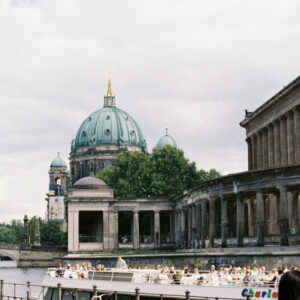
(143, 283)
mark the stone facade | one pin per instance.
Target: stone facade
(273, 130)
(93, 219)
(257, 208)
(254, 208)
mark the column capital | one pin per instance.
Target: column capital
(282, 188)
(296, 108)
(289, 113)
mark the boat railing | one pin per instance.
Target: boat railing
(29, 291)
(153, 277)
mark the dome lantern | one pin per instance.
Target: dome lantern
(109, 98)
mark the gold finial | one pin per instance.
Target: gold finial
(109, 92)
(167, 130)
(58, 153)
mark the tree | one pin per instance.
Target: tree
(166, 173)
(12, 232)
(18, 228)
(52, 235)
(7, 234)
(129, 175)
(171, 173)
(211, 174)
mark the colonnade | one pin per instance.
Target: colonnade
(239, 219)
(157, 237)
(276, 144)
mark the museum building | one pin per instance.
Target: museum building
(256, 208)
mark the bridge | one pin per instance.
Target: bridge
(33, 256)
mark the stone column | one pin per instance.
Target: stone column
(260, 218)
(224, 221)
(284, 219)
(259, 151)
(277, 143)
(212, 220)
(136, 230)
(292, 209)
(198, 225)
(70, 231)
(250, 217)
(105, 227)
(76, 230)
(193, 226)
(37, 238)
(283, 141)
(254, 152)
(273, 215)
(250, 163)
(189, 226)
(25, 237)
(203, 223)
(271, 146)
(297, 134)
(113, 228)
(240, 224)
(178, 227)
(156, 229)
(172, 226)
(265, 146)
(290, 137)
(183, 232)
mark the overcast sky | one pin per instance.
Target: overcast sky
(193, 66)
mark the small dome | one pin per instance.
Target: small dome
(58, 162)
(90, 183)
(166, 140)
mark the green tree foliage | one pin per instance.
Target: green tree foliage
(12, 232)
(7, 234)
(166, 173)
(171, 173)
(129, 175)
(52, 235)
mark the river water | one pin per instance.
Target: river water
(11, 274)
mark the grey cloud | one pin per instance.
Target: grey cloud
(192, 66)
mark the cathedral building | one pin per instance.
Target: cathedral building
(256, 208)
(102, 136)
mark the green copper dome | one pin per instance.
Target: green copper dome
(166, 140)
(58, 162)
(109, 126)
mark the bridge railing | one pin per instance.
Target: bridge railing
(4, 245)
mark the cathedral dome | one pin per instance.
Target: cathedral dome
(90, 183)
(58, 162)
(166, 140)
(109, 126)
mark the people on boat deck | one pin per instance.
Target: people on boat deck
(121, 263)
(228, 276)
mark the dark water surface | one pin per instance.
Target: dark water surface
(11, 274)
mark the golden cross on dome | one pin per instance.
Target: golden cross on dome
(109, 91)
(167, 130)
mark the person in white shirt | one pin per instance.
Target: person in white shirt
(121, 263)
(68, 272)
